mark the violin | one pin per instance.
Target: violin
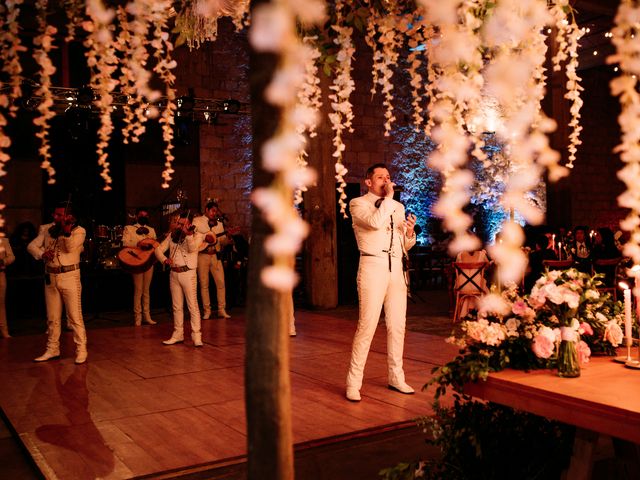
(57, 229)
(180, 234)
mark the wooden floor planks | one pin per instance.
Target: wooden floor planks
(138, 407)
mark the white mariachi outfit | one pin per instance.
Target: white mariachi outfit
(142, 280)
(62, 285)
(381, 240)
(6, 258)
(182, 283)
(209, 261)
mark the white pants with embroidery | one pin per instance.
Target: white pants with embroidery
(378, 287)
(210, 263)
(64, 289)
(141, 297)
(183, 285)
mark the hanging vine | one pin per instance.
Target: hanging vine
(43, 43)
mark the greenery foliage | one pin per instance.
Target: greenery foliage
(488, 441)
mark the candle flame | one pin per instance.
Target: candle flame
(623, 285)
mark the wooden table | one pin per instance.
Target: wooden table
(605, 399)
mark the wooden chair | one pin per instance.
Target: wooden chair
(609, 267)
(557, 264)
(469, 283)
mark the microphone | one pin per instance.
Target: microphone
(398, 188)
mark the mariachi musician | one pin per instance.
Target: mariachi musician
(59, 245)
(182, 244)
(141, 235)
(215, 239)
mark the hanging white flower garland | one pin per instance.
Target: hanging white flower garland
(9, 50)
(274, 30)
(418, 35)
(310, 97)
(43, 44)
(626, 39)
(132, 42)
(343, 85)
(515, 78)
(456, 63)
(102, 60)
(161, 43)
(568, 35)
(197, 22)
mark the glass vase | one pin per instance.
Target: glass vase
(568, 364)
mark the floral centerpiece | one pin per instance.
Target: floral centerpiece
(526, 332)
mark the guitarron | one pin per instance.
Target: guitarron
(138, 259)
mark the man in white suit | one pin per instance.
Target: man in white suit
(383, 235)
(59, 245)
(183, 244)
(215, 238)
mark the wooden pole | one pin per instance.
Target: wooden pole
(321, 249)
(267, 384)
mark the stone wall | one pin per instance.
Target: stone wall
(218, 70)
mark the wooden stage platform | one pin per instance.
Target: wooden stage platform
(138, 408)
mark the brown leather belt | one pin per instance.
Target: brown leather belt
(61, 269)
(180, 269)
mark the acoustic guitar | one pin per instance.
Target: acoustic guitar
(138, 259)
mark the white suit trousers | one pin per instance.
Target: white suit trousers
(210, 263)
(141, 297)
(65, 288)
(184, 285)
(377, 287)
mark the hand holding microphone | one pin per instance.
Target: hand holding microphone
(409, 224)
(389, 189)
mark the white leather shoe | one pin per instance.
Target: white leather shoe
(173, 341)
(48, 355)
(81, 357)
(206, 315)
(197, 339)
(223, 314)
(149, 321)
(402, 388)
(353, 394)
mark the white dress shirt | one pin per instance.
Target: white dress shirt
(372, 226)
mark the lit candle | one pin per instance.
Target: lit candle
(553, 241)
(559, 250)
(627, 312)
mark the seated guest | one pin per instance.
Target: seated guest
(604, 248)
(542, 251)
(581, 250)
(604, 245)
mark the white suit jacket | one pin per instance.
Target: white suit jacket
(185, 253)
(218, 230)
(372, 226)
(130, 238)
(67, 250)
